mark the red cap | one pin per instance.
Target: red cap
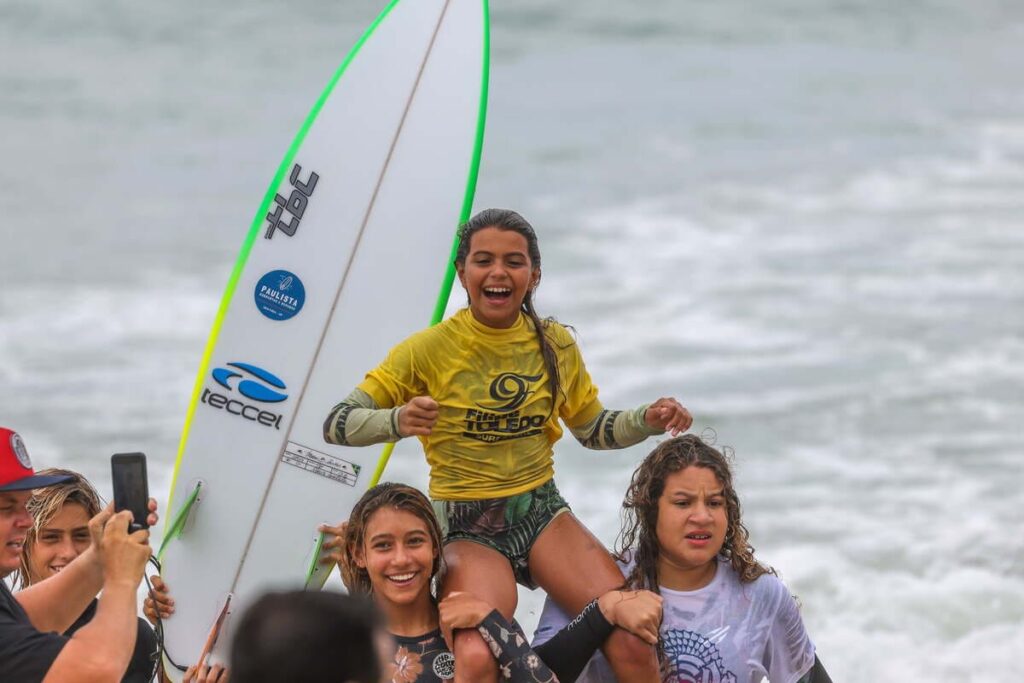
(16, 473)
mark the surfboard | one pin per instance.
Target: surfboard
(348, 254)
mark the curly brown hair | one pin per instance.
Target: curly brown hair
(45, 504)
(399, 497)
(639, 540)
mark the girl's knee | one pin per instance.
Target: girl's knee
(473, 658)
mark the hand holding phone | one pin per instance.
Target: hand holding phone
(131, 487)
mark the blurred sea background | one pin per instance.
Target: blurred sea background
(803, 218)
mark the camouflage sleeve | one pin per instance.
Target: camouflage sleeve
(615, 429)
(358, 421)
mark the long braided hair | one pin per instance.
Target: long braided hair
(640, 512)
(507, 219)
(386, 495)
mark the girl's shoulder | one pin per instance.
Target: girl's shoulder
(772, 594)
(428, 336)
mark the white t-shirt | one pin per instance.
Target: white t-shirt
(725, 632)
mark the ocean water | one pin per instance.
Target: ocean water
(801, 218)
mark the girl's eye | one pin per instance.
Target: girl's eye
(49, 538)
(83, 537)
(381, 546)
(683, 503)
(716, 503)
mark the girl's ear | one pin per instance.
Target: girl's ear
(359, 558)
(460, 270)
(535, 278)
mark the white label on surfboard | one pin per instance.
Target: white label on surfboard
(320, 464)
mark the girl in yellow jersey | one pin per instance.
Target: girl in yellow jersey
(484, 391)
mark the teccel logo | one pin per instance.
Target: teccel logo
(253, 383)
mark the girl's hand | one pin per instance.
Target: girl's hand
(668, 414)
(638, 612)
(417, 417)
(460, 610)
(200, 673)
(159, 601)
(333, 549)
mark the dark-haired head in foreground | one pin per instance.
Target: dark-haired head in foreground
(309, 637)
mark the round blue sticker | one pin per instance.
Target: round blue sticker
(280, 295)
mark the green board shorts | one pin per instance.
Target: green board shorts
(509, 525)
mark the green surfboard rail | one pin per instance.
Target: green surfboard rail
(177, 521)
(467, 207)
(254, 231)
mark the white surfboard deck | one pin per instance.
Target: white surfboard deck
(354, 264)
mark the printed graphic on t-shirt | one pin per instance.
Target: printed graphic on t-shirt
(692, 658)
(500, 418)
(422, 662)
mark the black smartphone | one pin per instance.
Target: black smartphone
(131, 487)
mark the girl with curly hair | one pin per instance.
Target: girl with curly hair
(390, 549)
(487, 392)
(727, 617)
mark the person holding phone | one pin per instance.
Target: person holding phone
(31, 647)
(59, 534)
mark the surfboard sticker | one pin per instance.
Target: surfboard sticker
(344, 259)
(321, 464)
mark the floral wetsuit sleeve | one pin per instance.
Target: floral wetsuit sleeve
(516, 661)
(561, 658)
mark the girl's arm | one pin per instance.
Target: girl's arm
(359, 421)
(615, 429)
(564, 656)
(621, 428)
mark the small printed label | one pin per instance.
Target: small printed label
(279, 295)
(320, 464)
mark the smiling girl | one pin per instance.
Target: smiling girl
(391, 549)
(60, 533)
(727, 617)
(484, 392)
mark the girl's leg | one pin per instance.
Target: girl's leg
(574, 567)
(486, 573)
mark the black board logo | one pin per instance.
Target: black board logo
(504, 421)
(253, 383)
(296, 204)
(510, 391)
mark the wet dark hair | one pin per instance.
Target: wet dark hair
(399, 497)
(507, 219)
(307, 637)
(640, 511)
